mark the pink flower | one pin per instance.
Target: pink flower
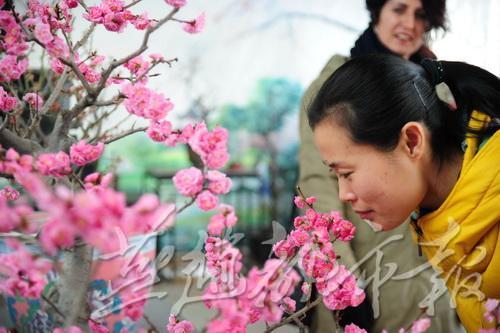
(12, 68)
(225, 219)
(137, 65)
(288, 305)
(142, 22)
(218, 182)
(156, 57)
(43, 33)
(145, 103)
(71, 3)
(83, 153)
(53, 164)
(306, 289)
(189, 182)
(351, 328)
(159, 131)
(174, 326)
(95, 14)
(343, 230)
(72, 329)
(7, 102)
(89, 73)
(57, 66)
(23, 274)
(115, 21)
(57, 48)
(284, 249)
(176, 3)
(34, 100)
(298, 237)
(420, 325)
(207, 201)
(97, 328)
(492, 310)
(196, 25)
(57, 235)
(9, 193)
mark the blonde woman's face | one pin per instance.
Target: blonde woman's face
(401, 26)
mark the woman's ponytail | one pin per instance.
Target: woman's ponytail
(474, 89)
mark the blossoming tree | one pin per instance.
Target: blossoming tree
(51, 130)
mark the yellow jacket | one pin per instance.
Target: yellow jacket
(461, 238)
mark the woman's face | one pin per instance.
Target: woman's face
(382, 187)
(401, 26)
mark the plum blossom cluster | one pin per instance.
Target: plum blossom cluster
(23, 273)
(204, 187)
(176, 326)
(264, 294)
(191, 182)
(312, 241)
(226, 218)
(51, 164)
(92, 215)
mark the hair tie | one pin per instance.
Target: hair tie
(434, 69)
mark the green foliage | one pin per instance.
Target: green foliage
(272, 100)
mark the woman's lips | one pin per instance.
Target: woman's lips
(365, 214)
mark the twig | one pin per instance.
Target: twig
(86, 35)
(77, 179)
(295, 315)
(59, 312)
(134, 54)
(153, 327)
(186, 205)
(132, 4)
(25, 238)
(124, 134)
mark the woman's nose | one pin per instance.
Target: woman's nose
(408, 20)
(345, 193)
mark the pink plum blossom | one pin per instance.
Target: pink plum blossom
(206, 200)
(34, 100)
(176, 3)
(195, 26)
(219, 183)
(352, 328)
(53, 164)
(82, 153)
(189, 182)
(175, 326)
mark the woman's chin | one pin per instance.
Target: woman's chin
(376, 227)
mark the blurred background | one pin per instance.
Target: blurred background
(246, 71)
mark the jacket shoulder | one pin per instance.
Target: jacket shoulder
(331, 66)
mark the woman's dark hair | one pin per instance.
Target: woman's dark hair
(435, 11)
(375, 96)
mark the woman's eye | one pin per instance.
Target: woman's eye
(345, 175)
(421, 16)
(399, 10)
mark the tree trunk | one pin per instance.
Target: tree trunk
(72, 286)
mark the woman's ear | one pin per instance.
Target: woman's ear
(413, 138)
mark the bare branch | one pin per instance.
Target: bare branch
(113, 101)
(23, 146)
(132, 4)
(125, 134)
(141, 49)
(85, 36)
(295, 315)
(55, 92)
(25, 238)
(59, 312)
